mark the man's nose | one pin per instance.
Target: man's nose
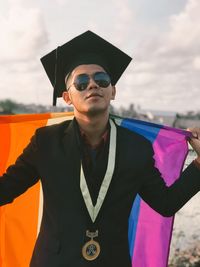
(92, 84)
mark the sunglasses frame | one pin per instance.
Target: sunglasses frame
(92, 76)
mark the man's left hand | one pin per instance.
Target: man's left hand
(195, 141)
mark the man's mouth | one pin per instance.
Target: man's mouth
(93, 95)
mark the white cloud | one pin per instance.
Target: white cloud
(23, 35)
(22, 32)
(185, 27)
(166, 75)
(196, 63)
(123, 20)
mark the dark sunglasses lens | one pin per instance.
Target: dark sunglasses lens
(81, 82)
(102, 79)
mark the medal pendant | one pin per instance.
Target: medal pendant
(91, 249)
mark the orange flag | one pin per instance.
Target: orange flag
(20, 220)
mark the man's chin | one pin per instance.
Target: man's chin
(95, 111)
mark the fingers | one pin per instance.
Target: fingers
(195, 139)
(195, 132)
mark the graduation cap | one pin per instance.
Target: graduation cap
(87, 48)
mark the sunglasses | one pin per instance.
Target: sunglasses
(82, 81)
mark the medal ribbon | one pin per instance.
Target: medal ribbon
(94, 210)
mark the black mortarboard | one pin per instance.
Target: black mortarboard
(87, 48)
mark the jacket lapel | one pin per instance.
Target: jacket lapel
(71, 145)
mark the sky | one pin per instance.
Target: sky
(162, 37)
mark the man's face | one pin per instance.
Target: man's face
(94, 99)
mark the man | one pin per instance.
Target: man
(90, 168)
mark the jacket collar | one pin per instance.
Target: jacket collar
(70, 141)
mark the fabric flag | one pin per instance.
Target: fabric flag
(149, 233)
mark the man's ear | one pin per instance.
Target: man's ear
(66, 97)
(113, 92)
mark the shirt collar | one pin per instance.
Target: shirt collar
(102, 141)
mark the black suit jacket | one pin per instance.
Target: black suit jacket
(53, 155)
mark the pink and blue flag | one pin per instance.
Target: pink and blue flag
(149, 232)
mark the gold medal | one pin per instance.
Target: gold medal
(91, 249)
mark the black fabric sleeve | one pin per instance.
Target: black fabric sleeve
(168, 200)
(21, 175)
